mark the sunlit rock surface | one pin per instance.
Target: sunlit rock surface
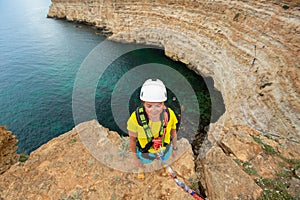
(63, 168)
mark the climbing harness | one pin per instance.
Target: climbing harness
(158, 144)
(173, 175)
(143, 121)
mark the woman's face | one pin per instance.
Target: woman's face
(153, 109)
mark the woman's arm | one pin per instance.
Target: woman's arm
(132, 142)
(174, 138)
(132, 147)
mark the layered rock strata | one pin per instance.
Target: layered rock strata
(249, 48)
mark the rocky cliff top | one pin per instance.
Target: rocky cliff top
(63, 168)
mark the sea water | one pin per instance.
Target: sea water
(39, 60)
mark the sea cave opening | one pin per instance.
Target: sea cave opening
(195, 100)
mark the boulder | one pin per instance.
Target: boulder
(225, 179)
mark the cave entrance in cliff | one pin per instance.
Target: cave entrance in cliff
(148, 57)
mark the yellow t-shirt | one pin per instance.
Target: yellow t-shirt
(134, 127)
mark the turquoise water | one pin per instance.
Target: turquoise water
(39, 60)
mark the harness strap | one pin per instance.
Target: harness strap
(143, 121)
(142, 117)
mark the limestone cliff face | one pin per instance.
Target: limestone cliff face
(220, 39)
(249, 48)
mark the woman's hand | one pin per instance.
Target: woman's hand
(132, 145)
(174, 152)
(174, 143)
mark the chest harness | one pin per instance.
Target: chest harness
(143, 121)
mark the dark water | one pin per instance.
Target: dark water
(155, 56)
(39, 59)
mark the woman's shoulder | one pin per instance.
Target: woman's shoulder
(133, 117)
(171, 113)
(171, 110)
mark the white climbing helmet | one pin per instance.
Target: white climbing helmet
(153, 90)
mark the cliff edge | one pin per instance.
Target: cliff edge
(64, 169)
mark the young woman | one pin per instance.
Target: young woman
(152, 127)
